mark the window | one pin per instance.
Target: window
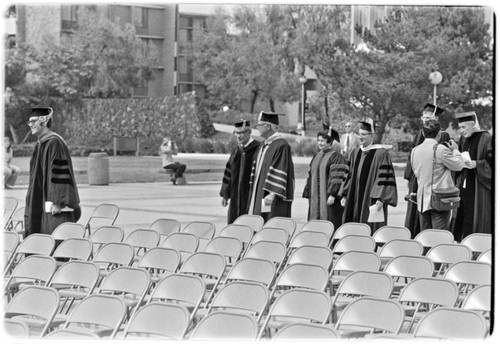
(69, 17)
(140, 20)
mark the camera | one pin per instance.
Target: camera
(412, 197)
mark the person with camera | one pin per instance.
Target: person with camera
(435, 174)
(167, 149)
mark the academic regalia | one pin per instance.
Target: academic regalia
(276, 175)
(475, 212)
(235, 183)
(51, 179)
(327, 171)
(371, 178)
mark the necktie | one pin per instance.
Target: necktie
(347, 144)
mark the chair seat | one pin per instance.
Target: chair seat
(352, 331)
(100, 331)
(30, 321)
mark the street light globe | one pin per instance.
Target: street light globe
(303, 79)
(435, 78)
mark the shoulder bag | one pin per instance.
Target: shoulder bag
(443, 199)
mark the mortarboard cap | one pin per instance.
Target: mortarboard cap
(367, 125)
(242, 124)
(269, 117)
(466, 117)
(41, 111)
(332, 133)
(436, 110)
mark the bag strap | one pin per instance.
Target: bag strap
(433, 162)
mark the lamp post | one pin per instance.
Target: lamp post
(435, 78)
(303, 81)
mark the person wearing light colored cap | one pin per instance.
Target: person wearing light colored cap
(371, 182)
(474, 214)
(272, 179)
(235, 187)
(327, 170)
(52, 196)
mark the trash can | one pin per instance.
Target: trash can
(98, 169)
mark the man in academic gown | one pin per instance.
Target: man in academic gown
(371, 180)
(235, 183)
(327, 170)
(272, 179)
(474, 214)
(52, 196)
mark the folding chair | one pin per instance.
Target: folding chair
(204, 230)
(452, 323)
(103, 215)
(351, 228)
(387, 233)
(478, 243)
(406, 268)
(361, 283)
(209, 266)
(468, 275)
(131, 284)
(267, 250)
(271, 234)
(306, 331)
(353, 243)
(224, 325)
(369, 315)
(230, 248)
(296, 305)
(186, 290)
(34, 306)
(16, 223)
(9, 207)
(255, 222)
(432, 237)
(41, 244)
(479, 299)
(309, 238)
(304, 276)
(286, 223)
(424, 294)
(158, 320)
(68, 230)
(252, 270)
(160, 262)
(322, 226)
(34, 269)
(485, 257)
(443, 255)
(241, 232)
(105, 235)
(165, 227)
(73, 248)
(352, 261)
(113, 255)
(98, 313)
(142, 240)
(399, 247)
(16, 329)
(313, 255)
(241, 297)
(185, 243)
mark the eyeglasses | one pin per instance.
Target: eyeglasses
(365, 134)
(347, 126)
(32, 121)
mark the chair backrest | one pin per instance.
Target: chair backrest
(100, 310)
(225, 325)
(253, 270)
(271, 234)
(313, 255)
(241, 232)
(76, 273)
(401, 247)
(115, 254)
(352, 228)
(17, 220)
(34, 301)
(165, 227)
(472, 273)
(103, 215)
(16, 328)
(299, 305)
(322, 226)
(373, 314)
(479, 299)
(230, 248)
(37, 243)
(478, 242)
(35, 268)
(433, 237)
(160, 258)
(451, 323)
(143, 239)
(282, 222)
(204, 230)
(304, 276)
(410, 267)
(107, 234)
(255, 222)
(449, 254)
(74, 248)
(485, 257)
(354, 242)
(432, 291)
(158, 319)
(205, 263)
(184, 289)
(387, 233)
(309, 238)
(9, 206)
(366, 283)
(126, 280)
(10, 241)
(241, 297)
(268, 250)
(185, 243)
(306, 331)
(68, 230)
(357, 261)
